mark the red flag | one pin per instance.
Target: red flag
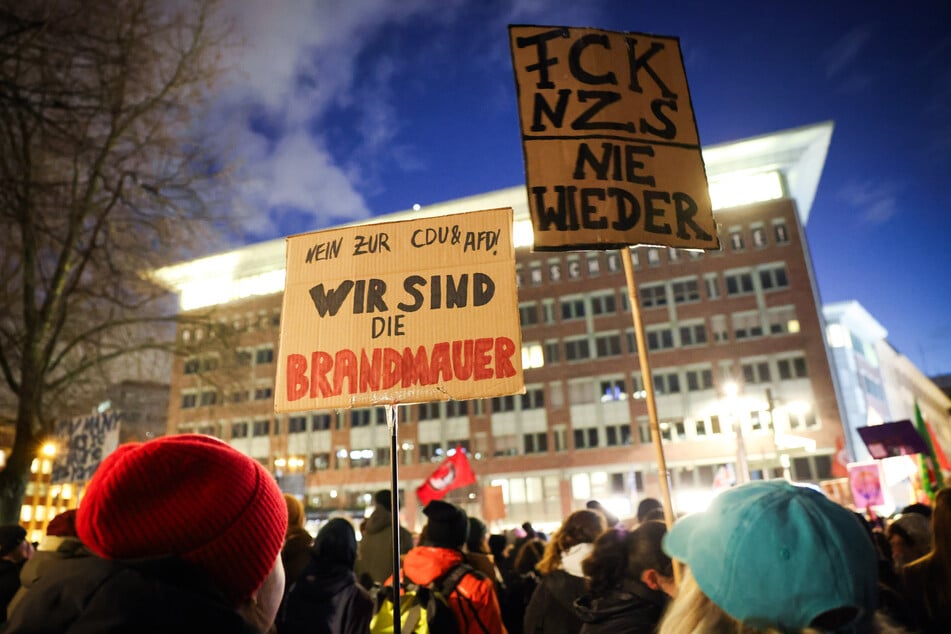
(452, 473)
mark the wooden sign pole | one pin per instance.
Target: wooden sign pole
(392, 422)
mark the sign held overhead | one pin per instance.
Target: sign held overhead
(400, 312)
(612, 154)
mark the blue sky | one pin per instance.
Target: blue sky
(342, 110)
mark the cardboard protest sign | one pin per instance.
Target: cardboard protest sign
(612, 154)
(400, 312)
(82, 444)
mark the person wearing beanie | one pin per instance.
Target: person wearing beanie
(15, 551)
(909, 536)
(188, 534)
(773, 557)
(474, 599)
(59, 543)
(375, 550)
(327, 598)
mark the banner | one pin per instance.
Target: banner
(400, 312)
(612, 153)
(82, 443)
(454, 472)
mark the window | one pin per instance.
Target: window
(361, 458)
(693, 335)
(603, 305)
(666, 382)
(554, 271)
(262, 393)
(552, 352)
(614, 262)
(359, 418)
(586, 438)
(296, 424)
(780, 232)
(660, 339)
(243, 357)
(320, 461)
(535, 274)
(747, 325)
(577, 350)
(607, 345)
(321, 422)
(718, 327)
(191, 366)
(209, 364)
(686, 291)
(430, 452)
(533, 398)
(239, 430)
(261, 428)
(558, 434)
(736, 240)
(739, 283)
(713, 286)
(653, 296)
(264, 355)
(572, 309)
(774, 277)
(536, 442)
(616, 435)
(792, 368)
(759, 237)
(782, 320)
(428, 411)
(672, 255)
(240, 396)
(503, 404)
(755, 372)
(209, 397)
(653, 257)
(528, 314)
(457, 408)
(594, 265)
(613, 390)
(189, 400)
(699, 380)
(574, 269)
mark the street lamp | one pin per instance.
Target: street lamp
(731, 400)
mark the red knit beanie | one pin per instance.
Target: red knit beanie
(192, 496)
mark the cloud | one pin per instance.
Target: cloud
(874, 203)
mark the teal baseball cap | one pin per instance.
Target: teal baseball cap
(774, 554)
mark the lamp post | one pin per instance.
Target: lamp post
(731, 392)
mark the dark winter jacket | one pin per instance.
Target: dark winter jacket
(633, 610)
(90, 595)
(295, 555)
(551, 609)
(326, 599)
(375, 555)
(9, 584)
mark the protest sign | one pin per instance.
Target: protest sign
(612, 154)
(400, 312)
(82, 444)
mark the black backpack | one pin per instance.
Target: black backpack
(424, 609)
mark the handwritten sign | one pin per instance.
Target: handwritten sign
(83, 443)
(612, 154)
(865, 480)
(401, 312)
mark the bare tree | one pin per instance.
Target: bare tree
(102, 178)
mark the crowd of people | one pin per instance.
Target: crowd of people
(185, 534)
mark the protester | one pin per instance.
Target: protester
(551, 608)
(909, 536)
(646, 508)
(521, 579)
(478, 554)
(609, 517)
(15, 551)
(295, 554)
(473, 601)
(188, 533)
(326, 599)
(375, 551)
(927, 581)
(59, 543)
(772, 556)
(629, 581)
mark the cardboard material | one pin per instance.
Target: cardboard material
(865, 480)
(400, 312)
(612, 154)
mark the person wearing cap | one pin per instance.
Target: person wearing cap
(473, 601)
(15, 551)
(59, 543)
(187, 532)
(551, 608)
(375, 550)
(772, 556)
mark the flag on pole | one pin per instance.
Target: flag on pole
(452, 473)
(931, 478)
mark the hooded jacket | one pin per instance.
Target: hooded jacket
(474, 601)
(551, 609)
(90, 595)
(326, 597)
(634, 609)
(52, 550)
(375, 554)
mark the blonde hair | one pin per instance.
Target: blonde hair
(581, 527)
(295, 512)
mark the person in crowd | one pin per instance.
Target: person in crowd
(772, 556)
(630, 579)
(647, 509)
(15, 552)
(188, 534)
(611, 519)
(909, 536)
(326, 599)
(498, 546)
(474, 600)
(521, 579)
(551, 608)
(478, 554)
(926, 582)
(375, 551)
(59, 543)
(297, 542)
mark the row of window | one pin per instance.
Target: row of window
(262, 355)
(249, 322)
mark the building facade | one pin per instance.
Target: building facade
(747, 316)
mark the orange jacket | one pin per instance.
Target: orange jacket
(474, 601)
